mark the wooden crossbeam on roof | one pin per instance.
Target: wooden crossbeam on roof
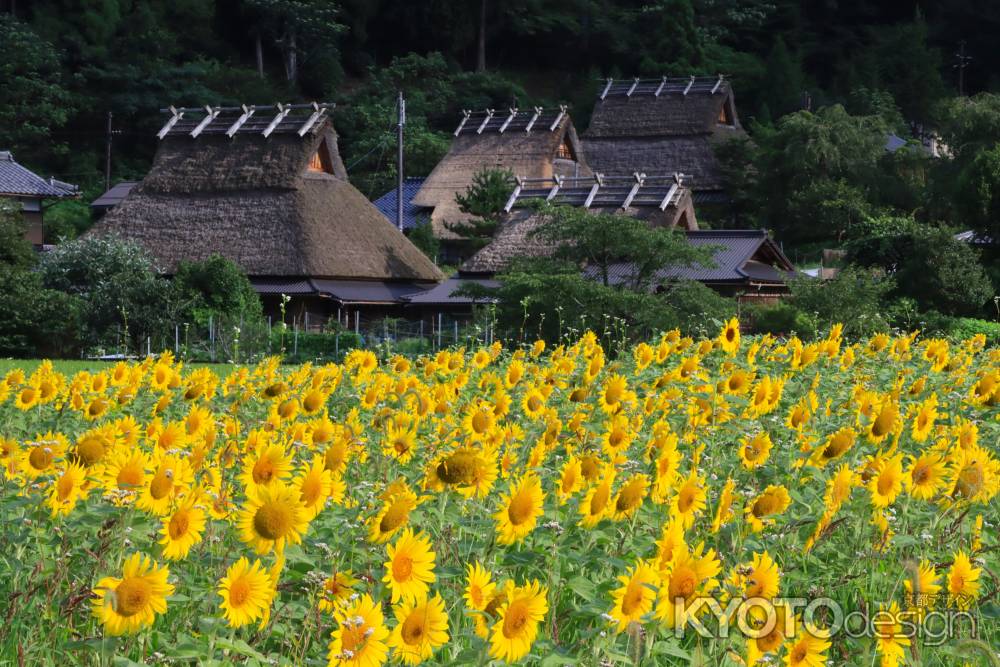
(555, 123)
(482, 126)
(593, 191)
(513, 114)
(175, 115)
(639, 180)
(278, 117)
(555, 188)
(688, 88)
(717, 85)
(531, 123)
(313, 117)
(607, 87)
(631, 89)
(659, 89)
(465, 119)
(210, 115)
(244, 117)
(514, 195)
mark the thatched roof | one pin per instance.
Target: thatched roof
(279, 205)
(513, 238)
(483, 141)
(662, 126)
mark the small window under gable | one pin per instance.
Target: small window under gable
(726, 113)
(565, 151)
(320, 161)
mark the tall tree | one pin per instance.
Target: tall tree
(33, 101)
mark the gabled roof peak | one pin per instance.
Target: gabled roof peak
(245, 119)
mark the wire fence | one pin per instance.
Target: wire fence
(307, 338)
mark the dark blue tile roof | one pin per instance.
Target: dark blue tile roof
(19, 181)
(412, 215)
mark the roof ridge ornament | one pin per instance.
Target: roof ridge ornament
(465, 118)
(487, 119)
(555, 123)
(513, 114)
(175, 116)
(235, 127)
(278, 117)
(531, 123)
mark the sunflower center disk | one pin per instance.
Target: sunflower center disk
(271, 522)
(132, 596)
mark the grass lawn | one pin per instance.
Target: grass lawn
(70, 366)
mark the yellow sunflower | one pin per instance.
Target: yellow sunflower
(769, 504)
(394, 516)
(410, 568)
(272, 519)
(337, 590)
(360, 637)
(753, 452)
(246, 593)
(636, 595)
(316, 484)
(126, 605)
(269, 466)
(963, 581)
(629, 498)
(420, 629)
(67, 489)
(517, 622)
(519, 509)
(182, 529)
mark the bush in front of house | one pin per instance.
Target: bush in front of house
(308, 346)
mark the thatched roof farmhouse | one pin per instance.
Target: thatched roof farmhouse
(660, 202)
(267, 189)
(532, 144)
(664, 126)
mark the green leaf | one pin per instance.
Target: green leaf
(585, 588)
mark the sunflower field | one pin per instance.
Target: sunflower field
(557, 506)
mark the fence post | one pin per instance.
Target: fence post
(456, 332)
(307, 321)
(149, 346)
(177, 339)
(440, 323)
(357, 322)
(336, 345)
(295, 346)
(211, 335)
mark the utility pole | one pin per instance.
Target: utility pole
(401, 105)
(107, 157)
(962, 61)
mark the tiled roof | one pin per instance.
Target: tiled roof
(115, 195)
(442, 294)
(412, 214)
(342, 291)
(735, 259)
(17, 180)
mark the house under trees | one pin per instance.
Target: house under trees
(30, 191)
(266, 188)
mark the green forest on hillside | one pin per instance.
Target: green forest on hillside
(67, 63)
(819, 86)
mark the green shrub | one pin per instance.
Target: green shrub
(784, 319)
(314, 346)
(966, 327)
(855, 298)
